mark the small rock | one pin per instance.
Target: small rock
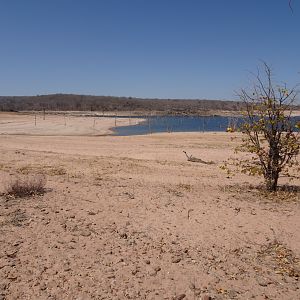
(176, 260)
(43, 286)
(232, 294)
(157, 269)
(147, 261)
(261, 281)
(12, 254)
(123, 235)
(179, 297)
(134, 271)
(12, 276)
(237, 209)
(11, 264)
(17, 243)
(85, 232)
(206, 297)
(153, 273)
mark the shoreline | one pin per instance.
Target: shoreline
(60, 125)
(137, 114)
(133, 114)
(74, 124)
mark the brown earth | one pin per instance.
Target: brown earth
(130, 218)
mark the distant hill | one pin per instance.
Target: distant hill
(69, 102)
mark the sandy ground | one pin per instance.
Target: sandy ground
(63, 125)
(130, 218)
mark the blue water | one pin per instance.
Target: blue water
(179, 124)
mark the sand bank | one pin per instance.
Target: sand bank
(60, 124)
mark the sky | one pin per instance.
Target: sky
(145, 48)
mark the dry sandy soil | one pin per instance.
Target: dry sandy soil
(61, 124)
(130, 218)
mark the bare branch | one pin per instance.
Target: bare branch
(290, 5)
(269, 127)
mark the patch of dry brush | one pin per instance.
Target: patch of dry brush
(26, 187)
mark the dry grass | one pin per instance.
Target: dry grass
(280, 259)
(46, 169)
(185, 186)
(284, 194)
(28, 186)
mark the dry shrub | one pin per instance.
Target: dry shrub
(27, 186)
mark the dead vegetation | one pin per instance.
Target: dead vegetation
(26, 187)
(279, 258)
(284, 193)
(198, 160)
(17, 217)
(46, 169)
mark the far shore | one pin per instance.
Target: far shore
(138, 113)
(61, 124)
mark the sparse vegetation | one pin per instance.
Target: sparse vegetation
(271, 137)
(45, 169)
(27, 186)
(283, 260)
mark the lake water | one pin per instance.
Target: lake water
(179, 124)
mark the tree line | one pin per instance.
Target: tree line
(69, 102)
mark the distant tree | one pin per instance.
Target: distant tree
(271, 134)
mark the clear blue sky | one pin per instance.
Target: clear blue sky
(145, 48)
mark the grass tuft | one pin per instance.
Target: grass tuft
(26, 187)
